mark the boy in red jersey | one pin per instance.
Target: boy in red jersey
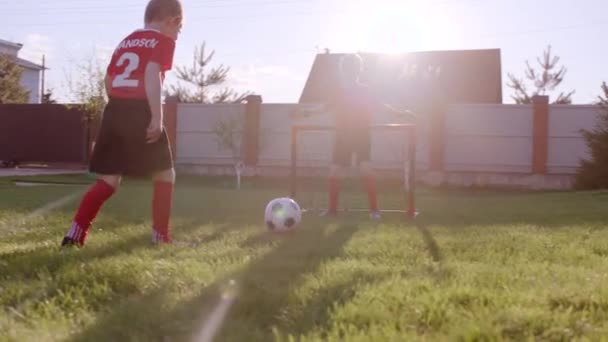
(132, 141)
(353, 105)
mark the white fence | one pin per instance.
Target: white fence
(196, 141)
(489, 138)
(566, 143)
(478, 138)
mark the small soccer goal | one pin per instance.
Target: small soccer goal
(393, 144)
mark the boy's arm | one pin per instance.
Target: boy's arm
(376, 104)
(153, 86)
(108, 84)
(405, 114)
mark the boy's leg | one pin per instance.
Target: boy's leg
(369, 183)
(162, 203)
(341, 157)
(91, 203)
(368, 177)
(334, 189)
(149, 160)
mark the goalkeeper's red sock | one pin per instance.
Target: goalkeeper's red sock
(334, 193)
(370, 186)
(92, 201)
(162, 203)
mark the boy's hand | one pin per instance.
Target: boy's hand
(155, 129)
(409, 114)
(402, 114)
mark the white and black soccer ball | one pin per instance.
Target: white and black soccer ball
(282, 214)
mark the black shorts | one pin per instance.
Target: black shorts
(348, 143)
(121, 147)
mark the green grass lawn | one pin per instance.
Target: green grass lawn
(478, 266)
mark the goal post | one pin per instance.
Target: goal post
(408, 160)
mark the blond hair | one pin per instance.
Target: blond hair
(158, 10)
(351, 62)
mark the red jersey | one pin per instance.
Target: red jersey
(353, 107)
(128, 65)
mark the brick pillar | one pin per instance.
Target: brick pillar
(540, 134)
(437, 138)
(253, 110)
(170, 121)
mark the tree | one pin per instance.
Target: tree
(593, 173)
(47, 98)
(199, 81)
(11, 90)
(199, 84)
(87, 87)
(229, 136)
(548, 78)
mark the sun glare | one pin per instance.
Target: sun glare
(388, 26)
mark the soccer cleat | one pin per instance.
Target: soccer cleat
(375, 215)
(68, 242)
(75, 236)
(159, 238)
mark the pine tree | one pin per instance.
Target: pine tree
(11, 90)
(199, 81)
(547, 79)
(593, 172)
(201, 86)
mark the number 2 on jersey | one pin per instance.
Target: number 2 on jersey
(122, 80)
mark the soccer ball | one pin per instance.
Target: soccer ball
(282, 214)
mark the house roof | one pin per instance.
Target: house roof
(465, 76)
(29, 65)
(20, 61)
(11, 44)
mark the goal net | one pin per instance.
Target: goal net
(393, 159)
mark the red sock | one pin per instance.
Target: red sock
(334, 191)
(92, 201)
(370, 187)
(161, 210)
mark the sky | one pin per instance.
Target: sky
(270, 45)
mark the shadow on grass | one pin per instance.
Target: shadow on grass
(265, 287)
(186, 237)
(316, 314)
(29, 262)
(262, 300)
(50, 261)
(429, 240)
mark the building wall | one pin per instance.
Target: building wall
(30, 80)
